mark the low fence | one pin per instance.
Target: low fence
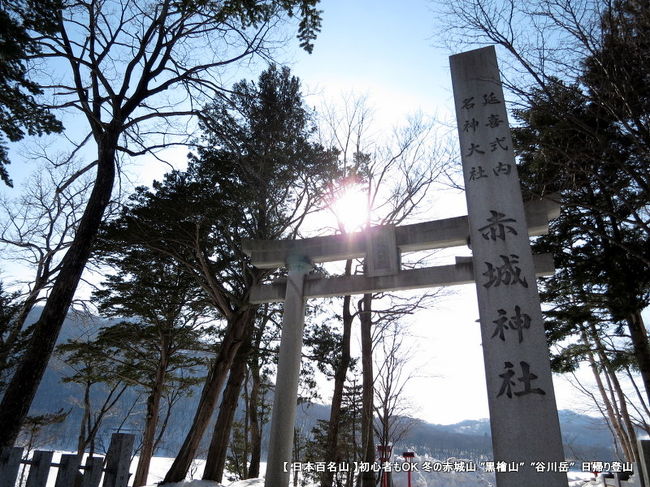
(641, 476)
(114, 468)
(617, 480)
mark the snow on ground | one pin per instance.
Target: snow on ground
(417, 480)
(191, 483)
(478, 478)
(158, 469)
(209, 483)
(160, 465)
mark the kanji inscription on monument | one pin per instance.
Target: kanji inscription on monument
(523, 413)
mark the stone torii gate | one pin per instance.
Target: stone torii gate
(523, 415)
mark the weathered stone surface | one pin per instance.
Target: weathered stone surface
(436, 234)
(286, 384)
(382, 255)
(523, 413)
(439, 276)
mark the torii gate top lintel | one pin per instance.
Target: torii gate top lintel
(435, 234)
(382, 246)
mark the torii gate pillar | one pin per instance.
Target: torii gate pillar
(286, 385)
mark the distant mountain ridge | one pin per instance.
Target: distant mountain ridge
(585, 438)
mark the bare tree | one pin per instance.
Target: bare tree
(89, 369)
(133, 69)
(393, 416)
(397, 184)
(347, 132)
(36, 231)
(616, 404)
(547, 44)
(395, 177)
(605, 351)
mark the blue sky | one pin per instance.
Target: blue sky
(382, 48)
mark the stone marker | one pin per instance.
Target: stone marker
(523, 414)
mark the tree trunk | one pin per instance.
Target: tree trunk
(297, 456)
(624, 438)
(634, 320)
(641, 347)
(367, 433)
(339, 382)
(245, 438)
(232, 340)
(151, 422)
(625, 417)
(85, 423)
(216, 461)
(627, 436)
(645, 415)
(254, 417)
(613, 418)
(356, 450)
(22, 388)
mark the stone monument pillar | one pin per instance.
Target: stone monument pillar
(523, 414)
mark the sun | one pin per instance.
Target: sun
(351, 208)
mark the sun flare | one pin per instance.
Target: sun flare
(351, 209)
